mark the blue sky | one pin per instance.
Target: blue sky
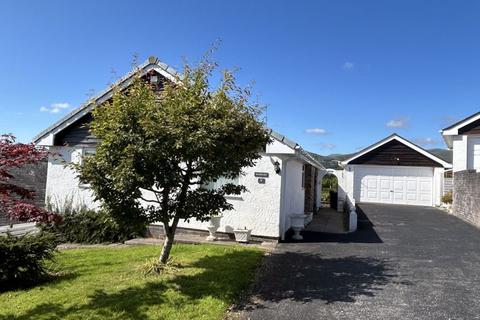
(336, 75)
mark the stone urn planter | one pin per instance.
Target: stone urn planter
(243, 235)
(297, 222)
(213, 226)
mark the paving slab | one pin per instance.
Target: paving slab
(196, 239)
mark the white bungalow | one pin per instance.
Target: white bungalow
(284, 181)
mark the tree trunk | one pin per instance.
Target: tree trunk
(167, 246)
(169, 236)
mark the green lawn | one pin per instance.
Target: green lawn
(103, 283)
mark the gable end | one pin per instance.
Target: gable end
(77, 134)
(471, 128)
(395, 153)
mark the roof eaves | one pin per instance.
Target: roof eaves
(461, 121)
(372, 147)
(151, 61)
(283, 139)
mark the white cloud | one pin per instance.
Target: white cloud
(347, 65)
(317, 131)
(425, 142)
(56, 107)
(397, 123)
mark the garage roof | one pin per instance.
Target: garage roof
(395, 137)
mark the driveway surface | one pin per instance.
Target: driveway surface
(404, 262)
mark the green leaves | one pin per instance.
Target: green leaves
(158, 147)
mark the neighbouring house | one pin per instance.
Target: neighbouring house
(284, 181)
(463, 138)
(394, 171)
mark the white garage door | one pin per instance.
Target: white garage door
(396, 185)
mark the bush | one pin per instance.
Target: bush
(447, 197)
(88, 226)
(23, 258)
(83, 225)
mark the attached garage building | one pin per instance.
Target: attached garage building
(395, 171)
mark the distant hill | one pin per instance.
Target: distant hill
(331, 161)
(444, 154)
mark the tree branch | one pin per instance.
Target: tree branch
(151, 201)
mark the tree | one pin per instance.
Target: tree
(159, 150)
(15, 200)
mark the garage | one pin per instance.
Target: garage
(396, 171)
(396, 185)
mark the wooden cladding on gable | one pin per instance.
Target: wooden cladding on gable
(471, 128)
(77, 134)
(395, 153)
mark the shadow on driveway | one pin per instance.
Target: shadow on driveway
(330, 280)
(365, 233)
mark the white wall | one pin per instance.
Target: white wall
(62, 183)
(258, 209)
(462, 146)
(438, 176)
(346, 182)
(473, 141)
(459, 153)
(294, 194)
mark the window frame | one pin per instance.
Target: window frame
(86, 151)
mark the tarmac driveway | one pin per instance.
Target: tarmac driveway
(404, 262)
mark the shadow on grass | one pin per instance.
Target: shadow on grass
(221, 276)
(46, 280)
(305, 277)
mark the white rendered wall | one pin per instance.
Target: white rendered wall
(294, 201)
(345, 182)
(62, 183)
(438, 176)
(472, 142)
(459, 153)
(277, 147)
(258, 209)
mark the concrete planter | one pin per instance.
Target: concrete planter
(213, 226)
(297, 222)
(242, 235)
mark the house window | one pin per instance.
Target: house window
(303, 176)
(86, 152)
(222, 181)
(476, 156)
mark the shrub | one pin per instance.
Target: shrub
(88, 226)
(447, 197)
(23, 258)
(83, 225)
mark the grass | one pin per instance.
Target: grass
(105, 283)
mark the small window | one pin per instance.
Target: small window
(86, 152)
(222, 181)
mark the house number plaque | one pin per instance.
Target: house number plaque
(261, 174)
